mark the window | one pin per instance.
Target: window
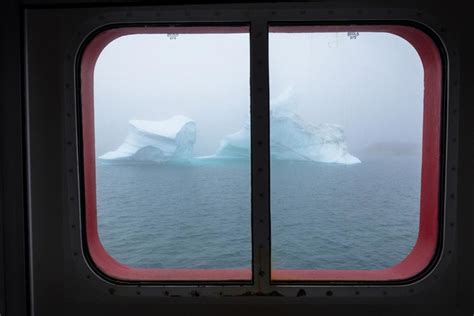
(354, 153)
(170, 201)
(354, 140)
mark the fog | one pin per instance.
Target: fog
(371, 85)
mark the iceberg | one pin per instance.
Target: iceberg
(156, 141)
(236, 145)
(291, 138)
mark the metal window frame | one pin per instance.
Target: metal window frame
(258, 16)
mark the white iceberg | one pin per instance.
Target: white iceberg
(291, 138)
(156, 141)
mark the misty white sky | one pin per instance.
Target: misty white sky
(372, 85)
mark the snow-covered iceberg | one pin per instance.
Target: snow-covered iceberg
(156, 141)
(291, 138)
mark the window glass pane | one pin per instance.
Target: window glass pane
(166, 107)
(346, 134)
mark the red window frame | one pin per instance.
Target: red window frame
(425, 247)
(426, 244)
(101, 258)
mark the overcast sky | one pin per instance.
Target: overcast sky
(372, 85)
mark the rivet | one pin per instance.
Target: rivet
(301, 292)
(329, 293)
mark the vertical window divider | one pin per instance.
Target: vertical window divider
(260, 154)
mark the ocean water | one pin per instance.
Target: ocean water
(324, 216)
